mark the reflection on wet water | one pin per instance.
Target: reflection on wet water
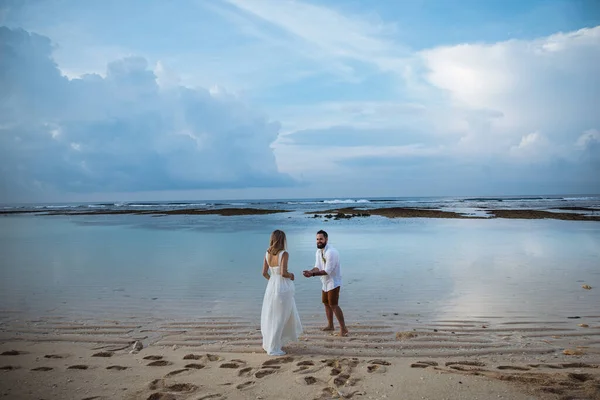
(190, 266)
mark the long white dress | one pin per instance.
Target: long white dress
(279, 320)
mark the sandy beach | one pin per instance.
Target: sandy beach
(221, 358)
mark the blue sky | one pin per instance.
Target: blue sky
(147, 99)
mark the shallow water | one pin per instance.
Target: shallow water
(119, 266)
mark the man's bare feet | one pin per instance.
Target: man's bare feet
(327, 329)
(344, 332)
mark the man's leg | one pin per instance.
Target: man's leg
(334, 296)
(328, 312)
(340, 317)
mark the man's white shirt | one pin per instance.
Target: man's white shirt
(331, 265)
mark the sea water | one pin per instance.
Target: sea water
(196, 266)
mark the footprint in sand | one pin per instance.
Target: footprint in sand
(11, 353)
(9, 368)
(379, 362)
(53, 356)
(116, 367)
(333, 393)
(208, 357)
(553, 366)
(155, 384)
(78, 366)
(341, 362)
(329, 393)
(304, 365)
(42, 369)
(469, 363)
(154, 358)
(245, 371)
(181, 388)
(335, 371)
(159, 363)
(244, 385)
(161, 396)
(341, 379)
(264, 372)
(231, 365)
(103, 354)
(301, 363)
(310, 380)
(211, 396)
(580, 377)
(424, 364)
(376, 368)
(280, 360)
(177, 387)
(194, 366)
(176, 372)
(513, 367)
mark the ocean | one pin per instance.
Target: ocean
(119, 266)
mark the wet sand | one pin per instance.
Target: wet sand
(221, 357)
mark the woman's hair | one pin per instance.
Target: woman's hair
(278, 242)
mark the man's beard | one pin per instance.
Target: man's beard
(321, 245)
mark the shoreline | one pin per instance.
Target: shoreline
(342, 213)
(222, 357)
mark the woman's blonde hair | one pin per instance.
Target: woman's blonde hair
(278, 242)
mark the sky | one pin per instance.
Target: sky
(233, 99)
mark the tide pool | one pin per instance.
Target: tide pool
(120, 266)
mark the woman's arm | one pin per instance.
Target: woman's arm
(284, 266)
(265, 269)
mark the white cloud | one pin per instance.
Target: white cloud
(587, 138)
(533, 84)
(121, 133)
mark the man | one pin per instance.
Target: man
(327, 266)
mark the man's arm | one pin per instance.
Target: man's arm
(312, 272)
(331, 261)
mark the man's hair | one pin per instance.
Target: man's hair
(322, 232)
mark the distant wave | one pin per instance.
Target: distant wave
(348, 201)
(583, 198)
(161, 204)
(509, 198)
(56, 206)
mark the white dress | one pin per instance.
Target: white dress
(279, 320)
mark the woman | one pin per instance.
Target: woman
(279, 320)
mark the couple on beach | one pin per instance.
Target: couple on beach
(279, 321)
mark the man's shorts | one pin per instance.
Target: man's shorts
(331, 297)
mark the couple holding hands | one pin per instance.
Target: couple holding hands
(279, 321)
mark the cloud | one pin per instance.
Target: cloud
(548, 84)
(122, 132)
(348, 136)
